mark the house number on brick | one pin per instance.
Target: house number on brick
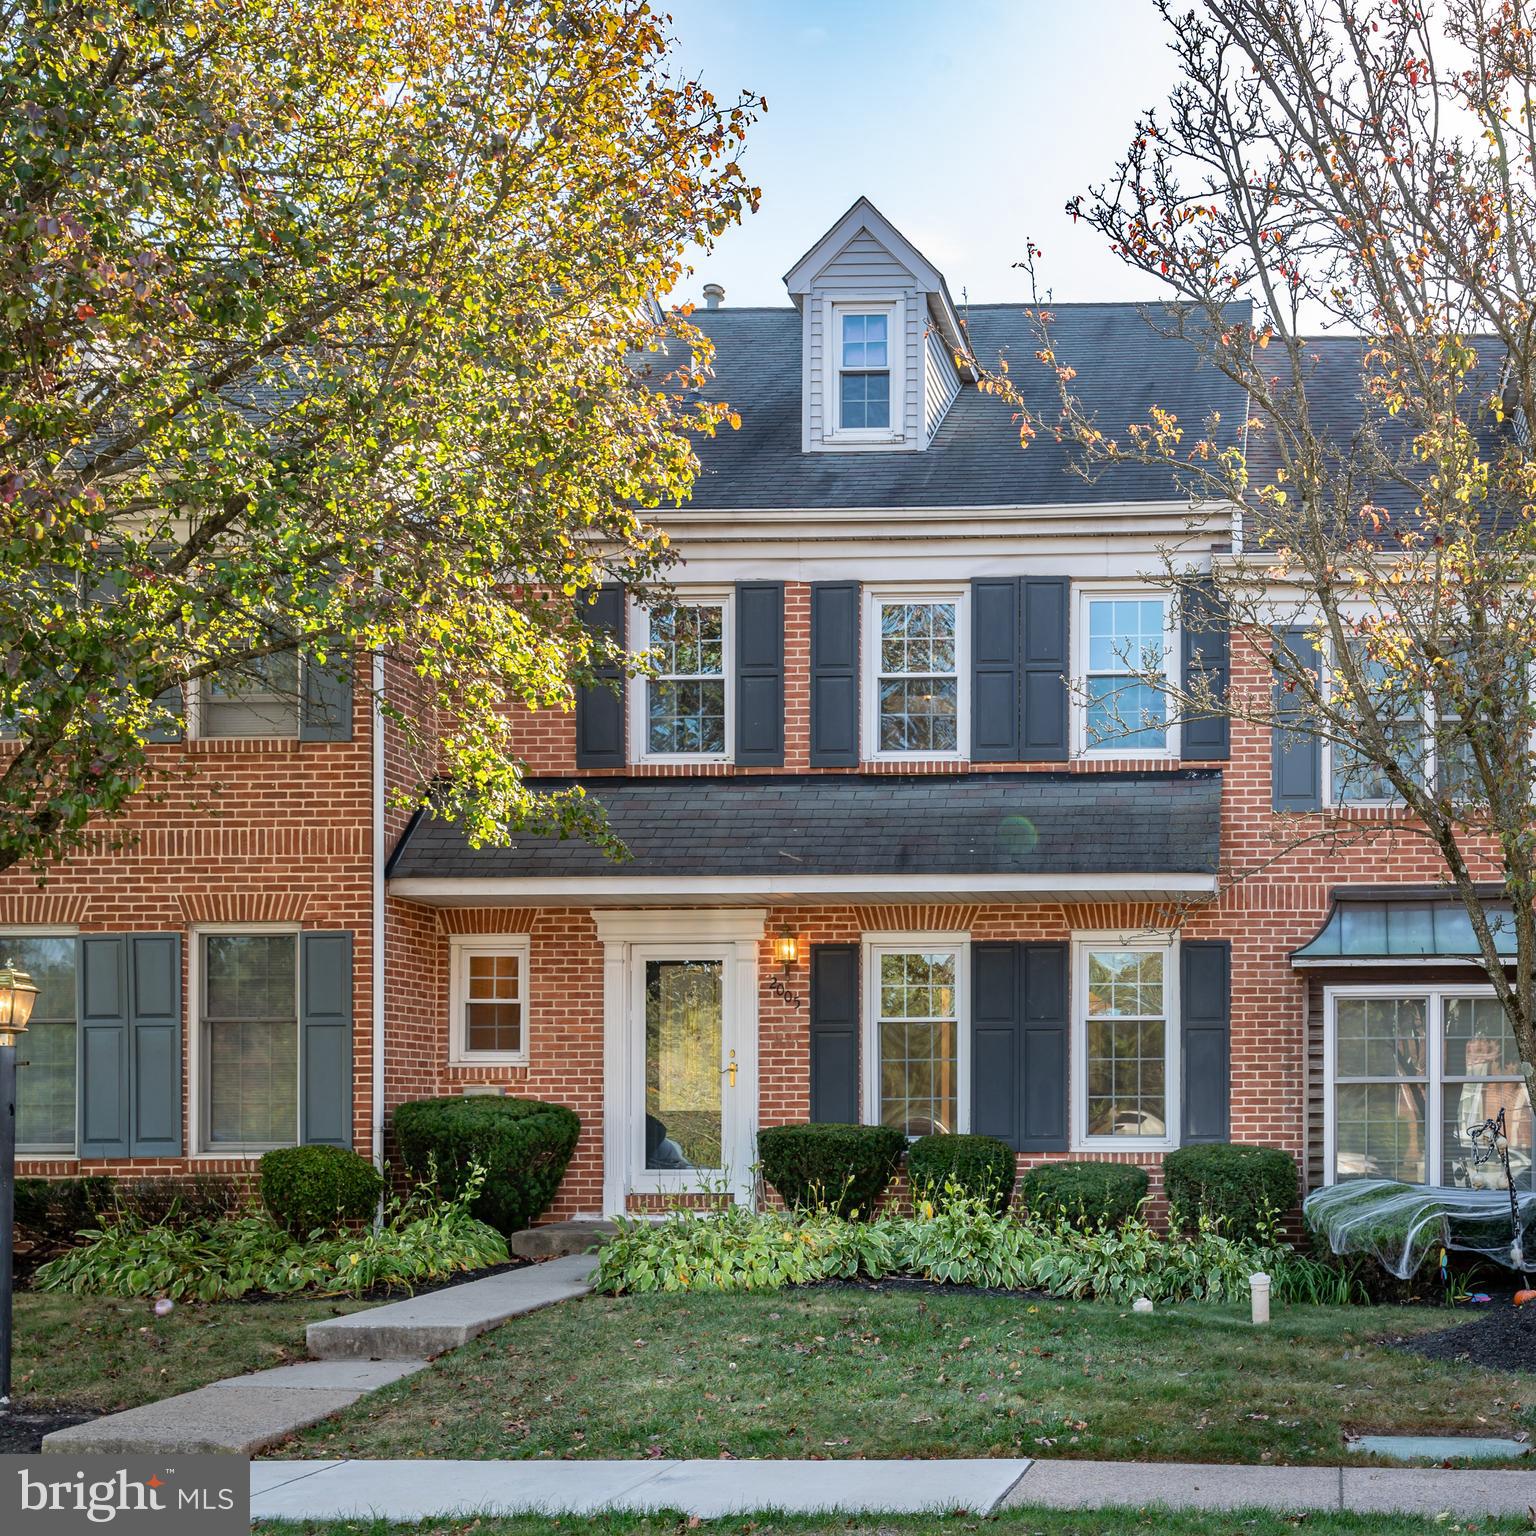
(793, 998)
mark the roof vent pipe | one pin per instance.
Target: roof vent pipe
(714, 295)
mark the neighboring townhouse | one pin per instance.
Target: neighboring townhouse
(892, 856)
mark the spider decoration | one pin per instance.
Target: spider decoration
(1491, 1140)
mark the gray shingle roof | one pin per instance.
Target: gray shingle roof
(866, 824)
(975, 460)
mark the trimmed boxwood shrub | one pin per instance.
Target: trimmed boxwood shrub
(1239, 1186)
(1085, 1194)
(842, 1167)
(310, 1189)
(524, 1145)
(982, 1166)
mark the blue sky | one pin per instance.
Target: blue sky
(969, 125)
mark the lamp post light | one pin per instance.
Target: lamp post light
(17, 995)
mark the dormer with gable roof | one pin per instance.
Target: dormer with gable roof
(880, 334)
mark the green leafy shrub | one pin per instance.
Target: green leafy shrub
(964, 1239)
(315, 1189)
(224, 1259)
(736, 1249)
(524, 1146)
(841, 1168)
(1085, 1194)
(1244, 1190)
(981, 1166)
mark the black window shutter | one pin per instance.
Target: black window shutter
(325, 1034)
(997, 1043)
(325, 706)
(600, 709)
(154, 1044)
(1205, 1030)
(995, 691)
(1297, 754)
(760, 674)
(102, 989)
(834, 674)
(835, 1033)
(1204, 646)
(1045, 610)
(171, 716)
(1043, 1010)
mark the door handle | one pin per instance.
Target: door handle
(729, 1070)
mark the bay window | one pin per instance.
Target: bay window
(1412, 1072)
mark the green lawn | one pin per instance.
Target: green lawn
(97, 1352)
(1014, 1522)
(841, 1372)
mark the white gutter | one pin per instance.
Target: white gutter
(376, 715)
(578, 890)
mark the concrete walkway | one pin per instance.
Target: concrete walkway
(415, 1490)
(354, 1354)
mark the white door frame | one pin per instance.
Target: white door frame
(628, 938)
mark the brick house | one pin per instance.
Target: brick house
(888, 861)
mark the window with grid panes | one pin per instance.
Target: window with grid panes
(1125, 1044)
(917, 1033)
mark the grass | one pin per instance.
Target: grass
(844, 1373)
(1013, 1522)
(101, 1353)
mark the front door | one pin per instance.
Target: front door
(690, 1118)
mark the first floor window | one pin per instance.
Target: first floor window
(250, 1039)
(45, 1085)
(1413, 1074)
(686, 699)
(1128, 650)
(490, 1003)
(1124, 1043)
(258, 698)
(915, 995)
(918, 667)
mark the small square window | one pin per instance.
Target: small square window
(490, 1001)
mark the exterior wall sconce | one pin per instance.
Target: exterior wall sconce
(786, 947)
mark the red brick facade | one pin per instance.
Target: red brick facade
(282, 831)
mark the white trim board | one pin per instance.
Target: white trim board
(724, 890)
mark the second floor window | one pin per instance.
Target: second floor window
(687, 701)
(864, 372)
(1355, 777)
(259, 698)
(918, 664)
(1126, 641)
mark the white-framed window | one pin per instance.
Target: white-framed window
(917, 673)
(685, 712)
(246, 986)
(47, 1122)
(1410, 1073)
(864, 399)
(488, 1001)
(1124, 1051)
(917, 1059)
(259, 698)
(1122, 635)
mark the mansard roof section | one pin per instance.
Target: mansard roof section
(1124, 367)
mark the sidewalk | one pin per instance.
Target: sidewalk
(358, 1353)
(415, 1490)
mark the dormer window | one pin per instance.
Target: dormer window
(864, 371)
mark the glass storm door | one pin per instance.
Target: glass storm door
(686, 1133)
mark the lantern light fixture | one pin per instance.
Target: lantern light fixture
(18, 992)
(786, 947)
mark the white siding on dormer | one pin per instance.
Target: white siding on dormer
(866, 266)
(940, 383)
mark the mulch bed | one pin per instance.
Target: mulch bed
(915, 1283)
(21, 1433)
(1502, 1339)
